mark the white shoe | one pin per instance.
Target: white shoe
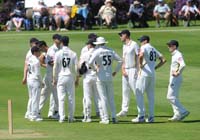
(121, 114)
(61, 121)
(38, 119)
(150, 120)
(27, 116)
(174, 118)
(88, 120)
(104, 122)
(138, 120)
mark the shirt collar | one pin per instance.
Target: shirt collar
(174, 52)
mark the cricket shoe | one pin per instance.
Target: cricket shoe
(104, 122)
(183, 115)
(175, 118)
(114, 120)
(121, 114)
(138, 119)
(71, 120)
(61, 121)
(37, 119)
(87, 120)
(150, 120)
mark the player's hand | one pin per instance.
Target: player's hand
(76, 83)
(114, 73)
(124, 73)
(24, 81)
(54, 83)
(175, 73)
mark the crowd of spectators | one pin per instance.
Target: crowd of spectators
(86, 13)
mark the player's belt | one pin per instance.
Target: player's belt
(130, 67)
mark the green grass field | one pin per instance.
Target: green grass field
(13, 47)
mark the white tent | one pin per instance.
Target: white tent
(49, 3)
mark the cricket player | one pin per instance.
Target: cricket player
(34, 83)
(146, 79)
(103, 57)
(48, 79)
(33, 42)
(129, 69)
(89, 82)
(177, 67)
(64, 76)
(44, 48)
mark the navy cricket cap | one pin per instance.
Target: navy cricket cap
(65, 40)
(33, 40)
(56, 36)
(143, 38)
(127, 32)
(173, 42)
(92, 36)
(35, 49)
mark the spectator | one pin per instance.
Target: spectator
(108, 12)
(163, 11)
(17, 17)
(41, 14)
(136, 14)
(188, 12)
(61, 13)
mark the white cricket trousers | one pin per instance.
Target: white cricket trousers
(89, 90)
(128, 84)
(34, 89)
(66, 86)
(106, 93)
(46, 91)
(173, 93)
(145, 84)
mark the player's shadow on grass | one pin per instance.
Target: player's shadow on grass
(191, 121)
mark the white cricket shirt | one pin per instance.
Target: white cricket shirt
(51, 57)
(103, 57)
(149, 60)
(33, 68)
(130, 54)
(65, 63)
(177, 62)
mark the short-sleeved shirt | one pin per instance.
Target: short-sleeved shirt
(66, 62)
(177, 61)
(51, 57)
(161, 8)
(104, 57)
(130, 52)
(149, 60)
(86, 53)
(33, 68)
(192, 9)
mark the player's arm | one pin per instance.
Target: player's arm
(161, 58)
(123, 68)
(181, 66)
(119, 65)
(42, 61)
(162, 62)
(55, 71)
(140, 60)
(76, 67)
(24, 80)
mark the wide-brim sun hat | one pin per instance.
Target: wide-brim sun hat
(106, 1)
(100, 40)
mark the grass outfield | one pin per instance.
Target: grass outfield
(13, 47)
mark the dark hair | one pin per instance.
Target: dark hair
(65, 40)
(33, 40)
(56, 36)
(35, 49)
(42, 43)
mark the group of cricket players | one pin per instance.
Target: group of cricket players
(95, 66)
